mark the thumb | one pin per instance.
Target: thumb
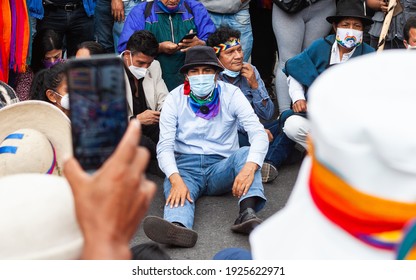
(74, 173)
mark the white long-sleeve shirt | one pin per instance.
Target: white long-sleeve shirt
(183, 132)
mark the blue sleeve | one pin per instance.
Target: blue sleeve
(260, 94)
(135, 21)
(203, 22)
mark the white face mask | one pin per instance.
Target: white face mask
(202, 85)
(64, 100)
(138, 72)
(409, 47)
(349, 38)
(230, 73)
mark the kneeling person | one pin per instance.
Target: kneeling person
(199, 152)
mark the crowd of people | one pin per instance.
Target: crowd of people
(200, 101)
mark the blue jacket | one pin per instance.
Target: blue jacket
(309, 64)
(36, 8)
(191, 15)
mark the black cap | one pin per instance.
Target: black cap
(200, 55)
(350, 8)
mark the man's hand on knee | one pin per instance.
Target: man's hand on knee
(244, 179)
(179, 192)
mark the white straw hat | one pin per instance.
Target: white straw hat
(37, 218)
(362, 129)
(35, 136)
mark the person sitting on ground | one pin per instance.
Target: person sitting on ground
(147, 90)
(50, 85)
(226, 44)
(198, 151)
(409, 34)
(88, 48)
(355, 196)
(303, 69)
(169, 21)
(46, 52)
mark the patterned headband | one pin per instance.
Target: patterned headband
(226, 45)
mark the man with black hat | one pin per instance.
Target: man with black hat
(199, 153)
(303, 69)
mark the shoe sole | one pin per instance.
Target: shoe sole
(268, 174)
(247, 226)
(164, 232)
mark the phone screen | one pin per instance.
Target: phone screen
(98, 105)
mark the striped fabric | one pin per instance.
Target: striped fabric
(377, 222)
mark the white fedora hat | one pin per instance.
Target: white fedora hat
(35, 136)
(360, 177)
(37, 218)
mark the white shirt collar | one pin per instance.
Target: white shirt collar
(335, 55)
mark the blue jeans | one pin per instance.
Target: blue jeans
(209, 175)
(104, 25)
(241, 22)
(75, 25)
(281, 146)
(118, 26)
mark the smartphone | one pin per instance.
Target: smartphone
(98, 107)
(188, 36)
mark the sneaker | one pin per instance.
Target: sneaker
(246, 222)
(268, 172)
(164, 232)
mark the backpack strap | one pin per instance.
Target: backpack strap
(148, 9)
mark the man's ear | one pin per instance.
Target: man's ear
(334, 27)
(51, 96)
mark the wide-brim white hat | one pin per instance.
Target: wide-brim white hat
(362, 128)
(37, 219)
(42, 117)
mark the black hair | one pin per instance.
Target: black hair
(47, 79)
(410, 23)
(149, 251)
(143, 41)
(222, 35)
(92, 46)
(45, 40)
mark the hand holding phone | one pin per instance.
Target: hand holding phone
(97, 97)
(188, 36)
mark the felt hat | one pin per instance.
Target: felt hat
(200, 55)
(350, 8)
(7, 95)
(35, 137)
(38, 218)
(362, 132)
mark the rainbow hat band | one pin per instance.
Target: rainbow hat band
(226, 45)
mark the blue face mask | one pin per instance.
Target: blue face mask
(202, 85)
(230, 73)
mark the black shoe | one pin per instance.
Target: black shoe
(246, 222)
(164, 232)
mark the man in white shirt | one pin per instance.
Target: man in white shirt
(199, 152)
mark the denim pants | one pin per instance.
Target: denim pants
(118, 26)
(104, 25)
(210, 175)
(241, 22)
(281, 146)
(74, 25)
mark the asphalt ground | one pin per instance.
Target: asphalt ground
(214, 216)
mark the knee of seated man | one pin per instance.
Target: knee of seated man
(296, 126)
